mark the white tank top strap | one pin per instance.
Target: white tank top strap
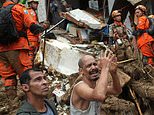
(93, 109)
(78, 83)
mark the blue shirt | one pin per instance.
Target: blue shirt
(48, 111)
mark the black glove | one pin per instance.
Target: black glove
(134, 33)
(36, 29)
(150, 31)
(138, 32)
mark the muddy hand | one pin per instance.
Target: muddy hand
(113, 66)
(105, 59)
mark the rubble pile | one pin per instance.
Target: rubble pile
(7, 106)
(137, 80)
(69, 80)
(140, 83)
(116, 106)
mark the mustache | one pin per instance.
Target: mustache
(94, 71)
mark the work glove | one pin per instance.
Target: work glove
(36, 29)
(46, 25)
(138, 32)
(150, 31)
(134, 33)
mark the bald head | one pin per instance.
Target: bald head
(88, 67)
(83, 59)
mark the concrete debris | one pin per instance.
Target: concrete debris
(61, 56)
(86, 19)
(133, 2)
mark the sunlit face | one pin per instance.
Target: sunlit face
(117, 18)
(90, 68)
(138, 13)
(38, 84)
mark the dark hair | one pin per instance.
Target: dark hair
(25, 76)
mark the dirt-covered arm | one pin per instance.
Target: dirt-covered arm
(99, 92)
(115, 88)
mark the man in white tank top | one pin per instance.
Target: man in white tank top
(88, 94)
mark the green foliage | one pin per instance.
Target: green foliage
(23, 1)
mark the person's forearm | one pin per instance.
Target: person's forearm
(101, 85)
(116, 82)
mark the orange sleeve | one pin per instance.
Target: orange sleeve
(142, 23)
(28, 19)
(21, 16)
(33, 14)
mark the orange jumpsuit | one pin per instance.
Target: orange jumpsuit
(33, 39)
(145, 42)
(14, 58)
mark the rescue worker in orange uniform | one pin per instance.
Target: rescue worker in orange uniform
(118, 28)
(118, 31)
(34, 39)
(145, 42)
(14, 58)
